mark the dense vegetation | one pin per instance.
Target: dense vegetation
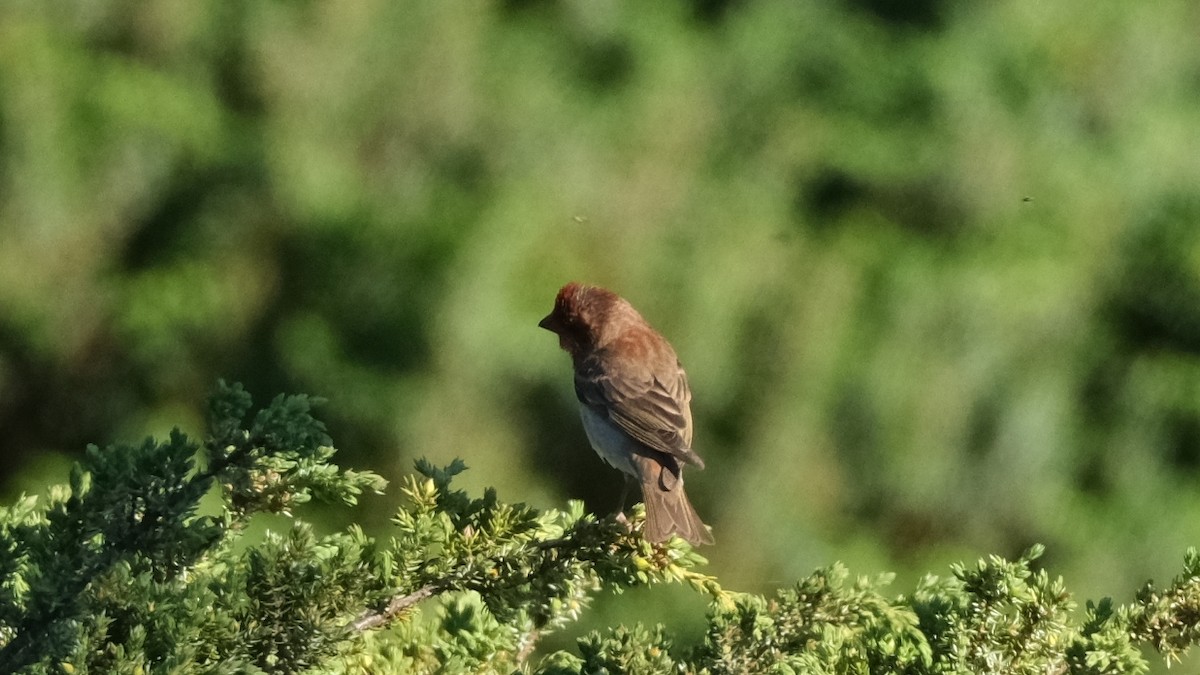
(933, 267)
(121, 573)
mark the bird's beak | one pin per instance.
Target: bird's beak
(549, 323)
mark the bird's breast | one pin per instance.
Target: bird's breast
(608, 440)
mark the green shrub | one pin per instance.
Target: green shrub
(122, 572)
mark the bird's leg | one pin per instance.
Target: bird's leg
(624, 495)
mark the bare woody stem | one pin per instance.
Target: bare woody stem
(398, 604)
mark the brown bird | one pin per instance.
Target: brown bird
(634, 401)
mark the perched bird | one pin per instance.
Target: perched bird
(634, 401)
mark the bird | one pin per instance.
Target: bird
(634, 401)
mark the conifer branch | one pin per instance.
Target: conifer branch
(395, 607)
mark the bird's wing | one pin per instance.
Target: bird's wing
(654, 409)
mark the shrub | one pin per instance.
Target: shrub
(122, 571)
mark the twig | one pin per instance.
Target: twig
(528, 644)
(397, 605)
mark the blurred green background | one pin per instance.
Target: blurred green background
(933, 267)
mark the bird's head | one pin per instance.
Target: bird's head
(581, 316)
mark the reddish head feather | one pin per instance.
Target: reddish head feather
(582, 315)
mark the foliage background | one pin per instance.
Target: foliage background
(933, 267)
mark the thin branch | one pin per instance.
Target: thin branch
(398, 604)
(527, 645)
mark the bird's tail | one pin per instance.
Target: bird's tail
(668, 510)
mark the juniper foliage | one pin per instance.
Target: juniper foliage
(140, 564)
